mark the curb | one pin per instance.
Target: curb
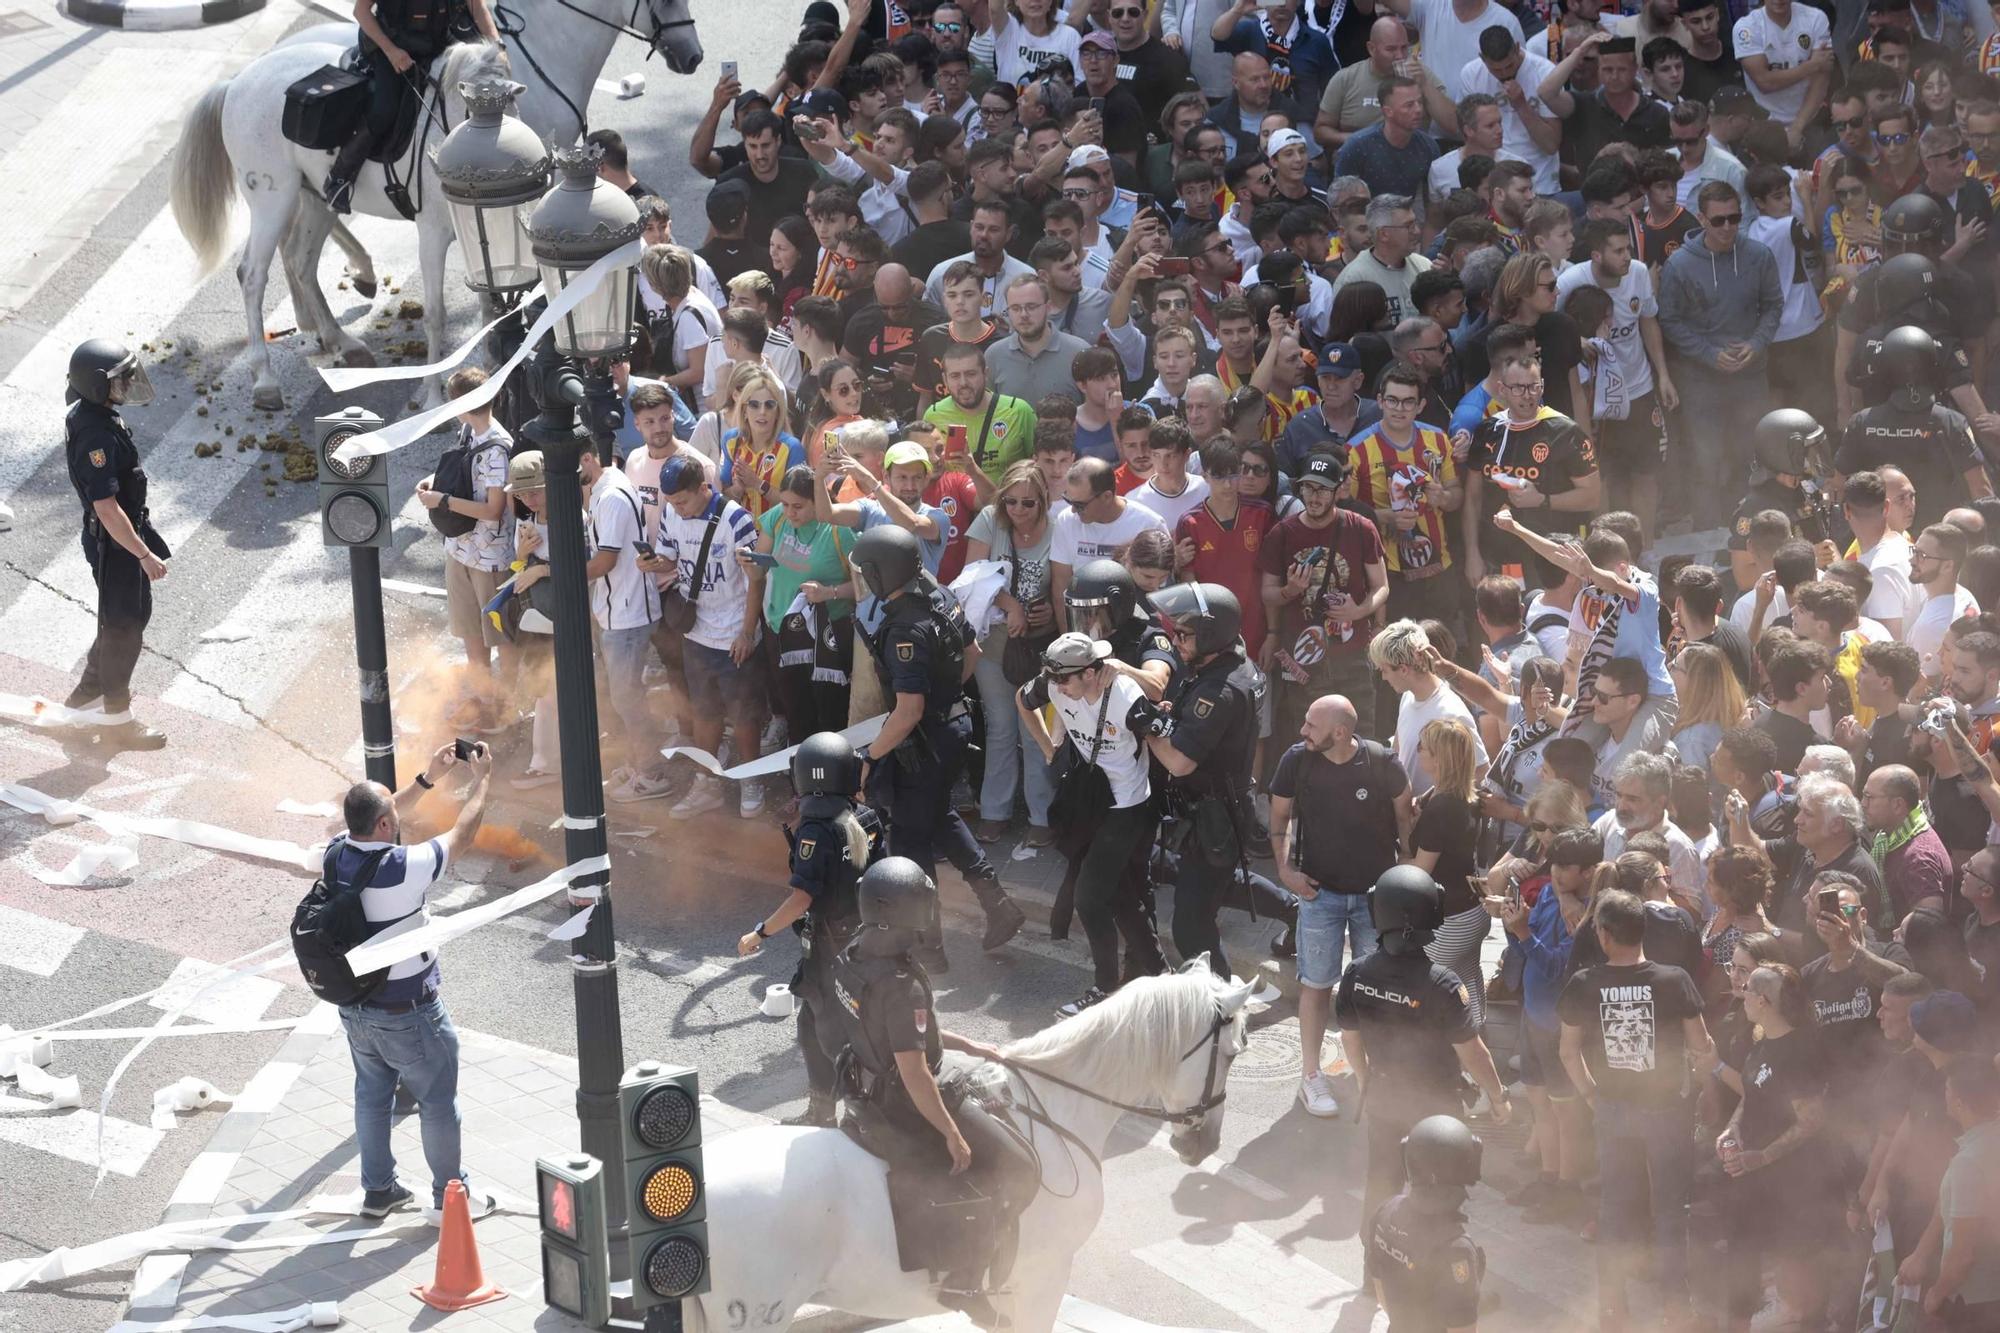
(158, 15)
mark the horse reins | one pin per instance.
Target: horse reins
(513, 27)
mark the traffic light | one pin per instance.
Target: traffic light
(666, 1201)
(576, 1254)
(354, 507)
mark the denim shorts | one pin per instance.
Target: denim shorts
(1324, 924)
(714, 681)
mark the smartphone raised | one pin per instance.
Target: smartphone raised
(728, 70)
(464, 748)
(808, 131)
(1097, 105)
(761, 559)
(1829, 902)
(1174, 266)
(645, 549)
(956, 441)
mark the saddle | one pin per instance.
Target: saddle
(324, 109)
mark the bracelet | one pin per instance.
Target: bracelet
(425, 782)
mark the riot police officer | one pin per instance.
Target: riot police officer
(1930, 442)
(889, 1079)
(836, 840)
(923, 654)
(1790, 471)
(1406, 1025)
(1106, 604)
(126, 555)
(1420, 1264)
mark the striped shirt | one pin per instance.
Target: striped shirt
(394, 901)
(1410, 477)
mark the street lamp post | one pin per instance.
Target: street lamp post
(489, 168)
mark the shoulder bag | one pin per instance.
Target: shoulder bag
(677, 609)
(1021, 660)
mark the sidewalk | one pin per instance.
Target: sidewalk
(517, 1104)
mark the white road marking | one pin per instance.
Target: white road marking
(74, 1135)
(240, 999)
(1270, 1287)
(30, 943)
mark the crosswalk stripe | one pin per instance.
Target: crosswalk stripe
(1269, 1287)
(35, 944)
(74, 1135)
(240, 999)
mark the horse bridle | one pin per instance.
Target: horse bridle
(1213, 1094)
(513, 27)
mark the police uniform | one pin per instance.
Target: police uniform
(1428, 1268)
(1215, 725)
(104, 465)
(1411, 1014)
(1932, 445)
(821, 869)
(1809, 517)
(920, 649)
(1955, 313)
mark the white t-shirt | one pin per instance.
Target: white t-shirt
(1444, 171)
(1631, 300)
(1446, 42)
(1755, 34)
(1077, 542)
(1413, 715)
(1553, 638)
(490, 542)
(624, 598)
(696, 322)
(1474, 77)
(1171, 508)
(1926, 633)
(1746, 607)
(1120, 753)
(1018, 54)
(724, 586)
(1893, 597)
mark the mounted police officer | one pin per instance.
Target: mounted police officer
(890, 1085)
(924, 653)
(1406, 1026)
(1930, 442)
(836, 840)
(1789, 474)
(399, 39)
(126, 555)
(1420, 1264)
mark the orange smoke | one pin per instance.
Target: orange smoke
(518, 848)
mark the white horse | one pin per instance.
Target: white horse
(798, 1215)
(232, 140)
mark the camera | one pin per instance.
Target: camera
(1939, 713)
(1815, 511)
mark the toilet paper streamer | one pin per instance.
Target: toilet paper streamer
(393, 946)
(858, 735)
(192, 832)
(112, 858)
(319, 1314)
(340, 379)
(186, 1094)
(62, 1092)
(411, 429)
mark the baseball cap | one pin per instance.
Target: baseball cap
(752, 97)
(524, 472)
(1945, 1020)
(1733, 101)
(1339, 359)
(1087, 155)
(1073, 652)
(1322, 470)
(821, 103)
(821, 11)
(1098, 37)
(681, 474)
(905, 452)
(1283, 139)
(728, 202)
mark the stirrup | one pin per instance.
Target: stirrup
(339, 194)
(975, 1305)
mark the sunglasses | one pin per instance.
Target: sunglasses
(1726, 220)
(1896, 140)
(1843, 126)
(762, 404)
(1850, 191)
(1022, 502)
(947, 27)
(1541, 828)
(846, 386)
(846, 262)
(1943, 155)
(1174, 303)
(1255, 470)
(1128, 13)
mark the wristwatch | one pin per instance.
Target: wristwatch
(425, 782)
(758, 930)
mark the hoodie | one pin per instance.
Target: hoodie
(1709, 300)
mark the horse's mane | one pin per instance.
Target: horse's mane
(1118, 1047)
(468, 62)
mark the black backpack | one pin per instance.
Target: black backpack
(329, 921)
(454, 477)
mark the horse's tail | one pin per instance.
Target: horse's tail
(204, 184)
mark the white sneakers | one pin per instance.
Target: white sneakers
(705, 795)
(639, 787)
(749, 798)
(1317, 1098)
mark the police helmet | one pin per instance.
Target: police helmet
(887, 560)
(1441, 1150)
(896, 897)
(1104, 584)
(1208, 611)
(1913, 224)
(825, 765)
(1903, 281)
(1908, 358)
(107, 373)
(1788, 440)
(1406, 907)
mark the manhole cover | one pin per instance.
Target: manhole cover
(14, 22)
(1274, 1055)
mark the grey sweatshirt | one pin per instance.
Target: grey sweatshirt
(1709, 299)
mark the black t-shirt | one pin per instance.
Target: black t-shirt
(1706, 77)
(1562, 351)
(1154, 72)
(1849, 1027)
(780, 197)
(1343, 815)
(1776, 1072)
(1631, 1018)
(1983, 943)
(1410, 1012)
(1889, 743)
(729, 258)
(1669, 937)
(930, 244)
(1445, 825)
(931, 346)
(1125, 120)
(1791, 735)
(1730, 640)
(874, 340)
(1592, 124)
(1958, 815)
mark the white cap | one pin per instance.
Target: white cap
(1087, 155)
(1281, 140)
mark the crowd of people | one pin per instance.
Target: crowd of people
(1388, 433)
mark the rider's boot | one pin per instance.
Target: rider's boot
(347, 164)
(961, 1291)
(819, 1112)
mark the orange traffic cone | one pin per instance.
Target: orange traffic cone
(458, 1283)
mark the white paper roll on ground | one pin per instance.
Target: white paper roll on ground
(62, 1092)
(778, 1000)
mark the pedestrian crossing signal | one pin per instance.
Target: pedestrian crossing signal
(666, 1196)
(354, 505)
(576, 1250)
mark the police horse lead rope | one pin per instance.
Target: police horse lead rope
(514, 28)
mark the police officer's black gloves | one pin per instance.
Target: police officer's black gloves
(1148, 718)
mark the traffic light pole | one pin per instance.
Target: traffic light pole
(371, 659)
(600, 1047)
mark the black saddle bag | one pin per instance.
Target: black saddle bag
(323, 110)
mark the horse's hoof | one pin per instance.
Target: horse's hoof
(268, 399)
(365, 288)
(358, 358)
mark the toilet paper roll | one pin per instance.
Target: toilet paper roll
(325, 1314)
(778, 1000)
(61, 1092)
(632, 85)
(15, 1051)
(185, 1094)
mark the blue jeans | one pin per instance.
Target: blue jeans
(1642, 1153)
(1005, 738)
(625, 654)
(1326, 924)
(419, 1049)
